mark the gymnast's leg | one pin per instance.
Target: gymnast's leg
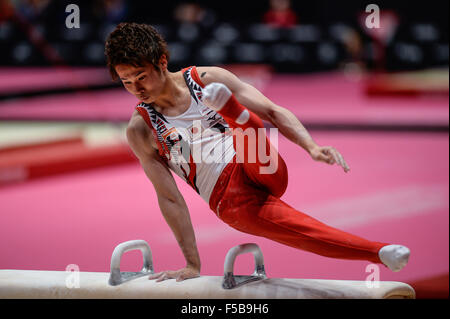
(261, 213)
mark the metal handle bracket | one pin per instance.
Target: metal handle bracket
(116, 277)
(231, 281)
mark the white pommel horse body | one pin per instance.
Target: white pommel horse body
(30, 284)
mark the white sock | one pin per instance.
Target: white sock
(395, 257)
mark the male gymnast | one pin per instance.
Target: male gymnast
(198, 123)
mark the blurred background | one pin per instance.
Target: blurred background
(70, 189)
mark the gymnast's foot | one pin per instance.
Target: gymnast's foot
(395, 257)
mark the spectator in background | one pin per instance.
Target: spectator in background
(6, 10)
(353, 45)
(110, 11)
(34, 11)
(188, 13)
(280, 14)
(193, 13)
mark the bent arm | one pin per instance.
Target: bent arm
(283, 119)
(288, 124)
(171, 202)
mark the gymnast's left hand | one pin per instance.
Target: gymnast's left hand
(330, 155)
(180, 275)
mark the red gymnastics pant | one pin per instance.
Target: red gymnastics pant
(250, 202)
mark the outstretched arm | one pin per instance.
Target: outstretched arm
(171, 202)
(288, 124)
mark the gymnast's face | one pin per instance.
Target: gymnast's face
(144, 82)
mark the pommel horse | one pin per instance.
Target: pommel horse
(29, 284)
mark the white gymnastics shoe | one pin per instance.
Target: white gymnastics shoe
(395, 257)
(215, 96)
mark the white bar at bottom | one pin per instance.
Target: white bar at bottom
(29, 284)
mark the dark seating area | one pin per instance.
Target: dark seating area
(224, 35)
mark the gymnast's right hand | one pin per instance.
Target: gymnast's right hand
(180, 275)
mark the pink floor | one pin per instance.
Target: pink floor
(19, 79)
(321, 98)
(396, 191)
